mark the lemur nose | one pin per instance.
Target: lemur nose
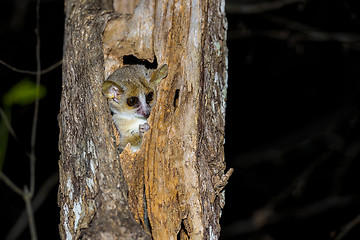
(145, 112)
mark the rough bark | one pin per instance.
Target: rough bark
(174, 185)
(92, 193)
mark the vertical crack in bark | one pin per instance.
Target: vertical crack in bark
(183, 233)
(176, 98)
(146, 221)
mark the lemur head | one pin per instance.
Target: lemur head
(131, 90)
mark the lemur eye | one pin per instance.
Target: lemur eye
(132, 101)
(149, 97)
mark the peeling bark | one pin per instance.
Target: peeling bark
(173, 186)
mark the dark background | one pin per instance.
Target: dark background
(292, 130)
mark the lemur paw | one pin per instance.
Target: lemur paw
(143, 128)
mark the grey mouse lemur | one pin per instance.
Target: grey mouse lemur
(131, 91)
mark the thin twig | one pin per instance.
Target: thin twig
(250, 225)
(7, 124)
(26, 195)
(36, 110)
(348, 227)
(265, 6)
(298, 32)
(38, 200)
(27, 198)
(10, 184)
(30, 193)
(267, 214)
(49, 69)
(52, 67)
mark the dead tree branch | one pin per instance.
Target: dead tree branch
(265, 6)
(46, 70)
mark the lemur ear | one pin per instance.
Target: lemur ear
(159, 74)
(111, 90)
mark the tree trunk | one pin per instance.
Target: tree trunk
(173, 187)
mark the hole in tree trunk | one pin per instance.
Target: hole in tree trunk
(176, 98)
(131, 59)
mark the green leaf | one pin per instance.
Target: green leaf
(23, 93)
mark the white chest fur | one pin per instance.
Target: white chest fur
(127, 124)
